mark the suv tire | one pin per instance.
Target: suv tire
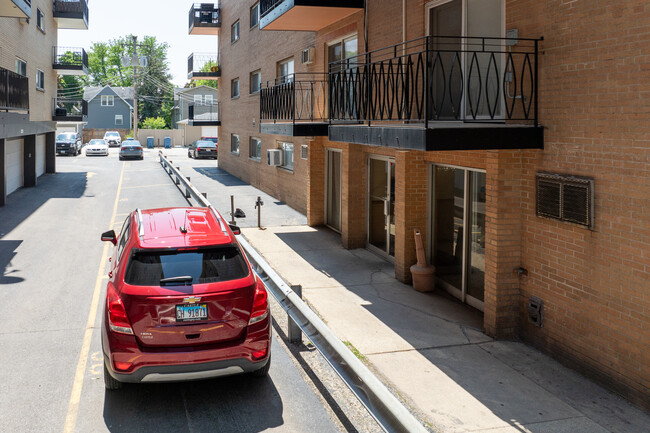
(109, 381)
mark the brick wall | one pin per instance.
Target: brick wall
(25, 40)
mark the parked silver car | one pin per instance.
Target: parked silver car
(131, 149)
(97, 146)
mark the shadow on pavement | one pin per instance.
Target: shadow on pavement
(233, 404)
(7, 253)
(24, 202)
(219, 175)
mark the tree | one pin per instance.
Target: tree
(153, 123)
(155, 94)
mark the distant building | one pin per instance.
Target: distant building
(109, 108)
(196, 109)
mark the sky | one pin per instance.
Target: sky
(167, 20)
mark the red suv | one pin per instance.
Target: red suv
(182, 302)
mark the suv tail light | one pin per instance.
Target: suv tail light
(198, 149)
(118, 321)
(260, 304)
(123, 148)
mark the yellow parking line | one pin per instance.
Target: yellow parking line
(146, 186)
(75, 395)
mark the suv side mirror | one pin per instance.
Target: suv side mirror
(110, 237)
(235, 229)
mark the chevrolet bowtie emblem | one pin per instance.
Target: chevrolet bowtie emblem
(191, 300)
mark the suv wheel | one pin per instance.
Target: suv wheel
(109, 381)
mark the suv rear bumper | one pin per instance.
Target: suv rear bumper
(181, 373)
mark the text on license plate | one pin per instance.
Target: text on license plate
(187, 313)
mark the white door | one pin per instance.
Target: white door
(40, 155)
(15, 164)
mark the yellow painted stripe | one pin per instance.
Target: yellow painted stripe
(75, 395)
(146, 186)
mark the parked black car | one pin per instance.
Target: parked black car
(202, 149)
(68, 143)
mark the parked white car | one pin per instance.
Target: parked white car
(113, 139)
(97, 146)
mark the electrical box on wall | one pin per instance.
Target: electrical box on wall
(274, 157)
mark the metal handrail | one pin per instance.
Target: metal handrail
(267, 6)
(204, 112)
(205, 15)
(197, 61)
(69, 56)
(388, 411)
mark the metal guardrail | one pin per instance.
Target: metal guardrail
(389, 412)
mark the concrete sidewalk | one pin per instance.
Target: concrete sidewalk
(431, 350)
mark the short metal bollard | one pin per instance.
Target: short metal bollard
(258, 204)
(232, 210)
(294, 332)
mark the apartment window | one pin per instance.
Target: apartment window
(234, 143)
(304, 151)
(256, 81)
(255, 15)
(21, 67)
(108, 101)
(234, 32)
(198, 99)
(119, 120)
(341, 50)
(255, 148)
(40, 20)
(285, 70)
(234, 88)
(287, 156)
(208, 99)
(40, 79)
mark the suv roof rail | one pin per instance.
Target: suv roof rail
(220, 219)
(138, 217)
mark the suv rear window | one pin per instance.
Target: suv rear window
(209, 265)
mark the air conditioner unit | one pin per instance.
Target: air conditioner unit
(308, 56)
(274, 157)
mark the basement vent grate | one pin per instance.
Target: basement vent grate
(566, 198)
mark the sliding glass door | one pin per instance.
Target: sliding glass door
(459, 232)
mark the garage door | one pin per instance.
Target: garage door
(210, 131)
(40, 155)
(15, 163)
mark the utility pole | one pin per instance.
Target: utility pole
(135, 89)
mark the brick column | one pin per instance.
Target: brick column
(29, 161)
(354, 174)
(3, 174)
(316, 183)
(503, 243)
(50, 152)
(411, 190)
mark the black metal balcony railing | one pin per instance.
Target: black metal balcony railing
(267, 6)
(470, 79)
(67, 57)
(205, 15)
(295, 98)
(207, 113)
(68, 108)
(14, 91)
(77, 7)
(201, 65)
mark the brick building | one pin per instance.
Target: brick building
(29, 105)
(512, 133)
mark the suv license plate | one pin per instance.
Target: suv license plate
(191, 312)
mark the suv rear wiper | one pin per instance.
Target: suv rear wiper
(176, 280)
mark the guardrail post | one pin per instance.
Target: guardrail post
(178, 180)
(188, 194)
(294, 332)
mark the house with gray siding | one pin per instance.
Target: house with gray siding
(196, 110)
(109, 108)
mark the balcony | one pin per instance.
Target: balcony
(70, 61)
(15, 8)
(14, 91)
(71, 14)
(205, 19)
(439, 93)
(295, 106)
(305, 15)
(204, 115)
(203, 67)
(69, 110)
